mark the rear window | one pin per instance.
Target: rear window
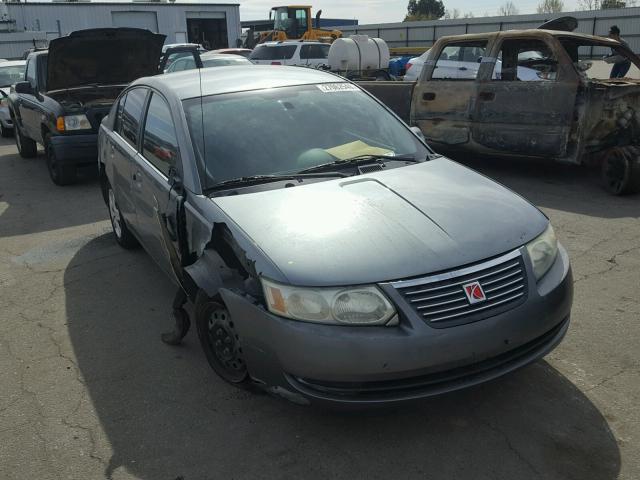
(275, 52)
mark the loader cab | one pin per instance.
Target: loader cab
(294, 21)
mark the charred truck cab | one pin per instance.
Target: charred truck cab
(68, 90)
(526, 93)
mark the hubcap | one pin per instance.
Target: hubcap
(224, 343)
(115, 214)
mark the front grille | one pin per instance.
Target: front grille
(441, 300)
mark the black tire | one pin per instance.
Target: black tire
(27, 148)
(620, 171)
(60, 174)
(5, 132)
(121, 232)
(220, 341)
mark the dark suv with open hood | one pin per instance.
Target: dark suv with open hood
(70, 87)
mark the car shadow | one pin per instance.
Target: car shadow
(555, 185)
(25, 209)
(167, 416)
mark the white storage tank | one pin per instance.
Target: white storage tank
(359, 52)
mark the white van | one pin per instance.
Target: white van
(291, 53)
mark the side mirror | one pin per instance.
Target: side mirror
(418, 133)
(23, 87)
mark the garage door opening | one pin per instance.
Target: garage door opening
(211, 33)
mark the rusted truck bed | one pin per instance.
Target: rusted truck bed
(395, 95)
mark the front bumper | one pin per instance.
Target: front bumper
(75, 149)
(340, 365)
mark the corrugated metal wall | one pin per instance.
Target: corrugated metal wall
(62, 18)
(423, 34)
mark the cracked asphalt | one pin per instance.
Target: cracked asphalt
(88, 391)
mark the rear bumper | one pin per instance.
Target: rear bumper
(75, 149)
(357, 366)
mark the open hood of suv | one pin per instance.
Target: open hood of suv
(103, 56)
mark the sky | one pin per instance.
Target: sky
(383, 11)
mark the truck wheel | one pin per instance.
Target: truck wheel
(60, 174)
(621, 171)
(27, 148)
(220, 341)
(123, 235)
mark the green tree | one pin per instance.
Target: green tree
(551, 6)
(424, 10)
(612, 4)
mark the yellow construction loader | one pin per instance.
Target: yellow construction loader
(293, 22)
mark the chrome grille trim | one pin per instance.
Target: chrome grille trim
(440, 299)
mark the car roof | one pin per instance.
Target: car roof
(207, 55)
(13, 63)
(289, 42)
(215, 81)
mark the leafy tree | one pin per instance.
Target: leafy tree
(507, 9)
(551, 6)
(424, 10)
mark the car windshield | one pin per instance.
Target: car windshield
(289, 129)
(11, 74)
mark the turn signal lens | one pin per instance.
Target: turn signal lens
(60, 124)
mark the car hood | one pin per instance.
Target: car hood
(104, 56)
(395, 224)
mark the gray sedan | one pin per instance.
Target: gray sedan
(330, 255)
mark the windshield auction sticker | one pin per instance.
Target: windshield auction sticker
(337, 87)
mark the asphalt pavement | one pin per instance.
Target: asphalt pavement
(88, 391)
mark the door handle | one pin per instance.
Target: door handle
(487, 96)
(428, 96)
(464, 69)
(137, 177)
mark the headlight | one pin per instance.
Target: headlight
(542, 251)
(73, 122)
(337, 306)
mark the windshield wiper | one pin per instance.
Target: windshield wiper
(360, 159)
(258, 179)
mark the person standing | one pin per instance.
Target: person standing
(621, 65)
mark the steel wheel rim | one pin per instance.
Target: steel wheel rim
(223, 341)
(115, 214)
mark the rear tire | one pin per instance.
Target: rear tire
(620, 171)
(27, 148)
(5, 132)
(220, 341)
(60, 174)
(123, 235)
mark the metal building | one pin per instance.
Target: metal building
(424, 34)
(215, 25)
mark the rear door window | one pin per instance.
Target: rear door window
(131, 115)
(160, 143)
(314, 51)
(525, 60)
(459, 61)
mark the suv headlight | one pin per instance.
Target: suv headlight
(543, 251)
(73, 122)
(364, 305)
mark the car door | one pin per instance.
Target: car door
(123, 148)
(443, 98)
(526, 102)
(155, 183)
(28, 103)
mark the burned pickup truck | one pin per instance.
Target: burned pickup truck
(526, 93)
(70, 87)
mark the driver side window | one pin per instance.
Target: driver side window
(525, 60)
